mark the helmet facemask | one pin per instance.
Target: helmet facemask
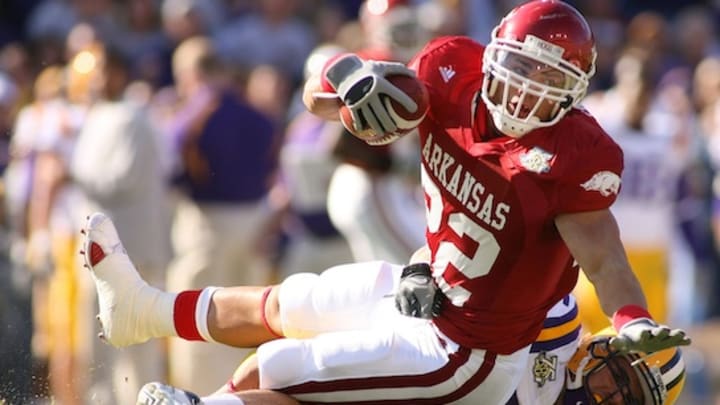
(611, 378)
(615, 378)
(528, 84)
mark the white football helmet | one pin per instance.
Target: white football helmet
(543, 50)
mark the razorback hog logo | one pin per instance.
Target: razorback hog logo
(604, 182)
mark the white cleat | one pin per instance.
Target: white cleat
(123, 296)
(156, 393)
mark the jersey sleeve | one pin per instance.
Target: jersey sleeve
(449, 67)
(425, 59)
(421, 58)
(592, 177)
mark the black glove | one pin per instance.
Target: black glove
(417, 294)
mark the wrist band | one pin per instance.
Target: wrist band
(628, 313)
(265, 322)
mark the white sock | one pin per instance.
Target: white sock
(201, 313)
(222, 399)
(159, 314)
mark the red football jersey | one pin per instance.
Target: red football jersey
(492, 200)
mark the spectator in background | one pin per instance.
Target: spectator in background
(272, 35)
(327, 22)
(706, 94)
(83, 49)
(267, 89)
(372, 199)
(649, 30)
(8, 96)
(673, 112)
(145, 44)
(16, 63)
(44, 137)
(18, 370)
(81, 37)
(16, 174)
(695, 35)
(117, 166)
(705, 180)
(300, 193)
(181, 19)
(226, 156)
(53, 19)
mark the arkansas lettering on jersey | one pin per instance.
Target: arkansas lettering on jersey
(492, 200)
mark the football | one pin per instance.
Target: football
(405, 120)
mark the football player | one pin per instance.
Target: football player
(599, 374)
(518, 185)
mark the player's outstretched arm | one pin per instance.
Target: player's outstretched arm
(594, 241)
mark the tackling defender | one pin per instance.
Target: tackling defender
(596, 373)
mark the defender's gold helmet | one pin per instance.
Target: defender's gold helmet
(610, 377)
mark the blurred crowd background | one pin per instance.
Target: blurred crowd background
(182, 120)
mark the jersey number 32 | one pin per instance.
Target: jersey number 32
(477, 264)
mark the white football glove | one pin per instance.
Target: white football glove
(644, 335)
(417, 294)
(359, 85)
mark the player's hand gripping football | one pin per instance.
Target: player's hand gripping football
(417, 294)
(361, 86)
(644, 335)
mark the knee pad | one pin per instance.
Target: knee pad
(328, 355)
(273, 359)
(346, 297)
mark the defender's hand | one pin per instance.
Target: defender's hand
(360, 84)
(418, 295)
(644, 335)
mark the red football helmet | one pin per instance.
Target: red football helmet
(393, 26)
(543, 50)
